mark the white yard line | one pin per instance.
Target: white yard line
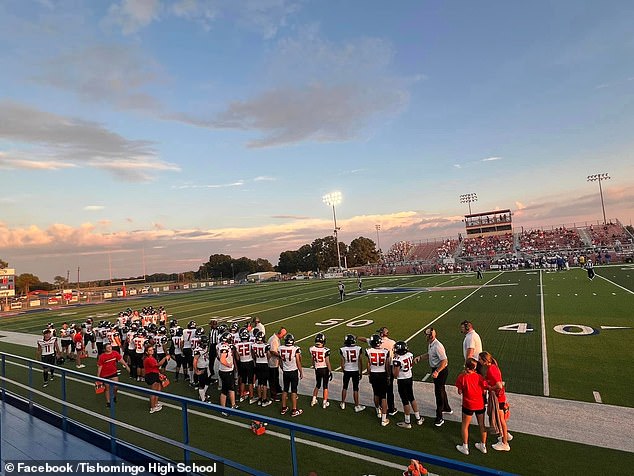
(451, 308)
(543, 328)
(617, 285)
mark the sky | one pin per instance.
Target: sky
(144, 136)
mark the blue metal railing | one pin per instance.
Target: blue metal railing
(186, 404)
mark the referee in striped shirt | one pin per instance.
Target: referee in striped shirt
(213, 342)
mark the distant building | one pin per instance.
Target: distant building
(264, 276)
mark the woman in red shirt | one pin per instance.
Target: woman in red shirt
(471, 385)
(107, 368)
(80, 351)
(151, 367)
(495, 385)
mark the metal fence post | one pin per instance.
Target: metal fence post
(4, 376)
(113, 425)
(294, 453)
(64, 407)
(185, 431)
(30, 387)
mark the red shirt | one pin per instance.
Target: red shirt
(494, 376)
(108, 362)
(472, 385)
(150, 365)
(79, 340)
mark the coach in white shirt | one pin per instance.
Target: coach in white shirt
(472, 344)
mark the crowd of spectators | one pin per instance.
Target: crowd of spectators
(398, 252)
(610, 235)
(546, 240)
(487, 245)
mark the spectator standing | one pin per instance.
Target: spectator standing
(440, 369)
(152, 377)
(471, 385)
(80, 350)
(496, 401)
(342, 290)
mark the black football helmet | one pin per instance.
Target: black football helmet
(289, 339)
(234, 327)
(400, 347)
(259, 338)
(179, 332)
(226, 338)
(173, 322)
(349, 340)
(244, 335)
(375, 341)
(320, 338)
(191, 325)
(222, 328)
(60, 361)
(203, 341)
(200, 331)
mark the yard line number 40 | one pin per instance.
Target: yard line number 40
(566, 329)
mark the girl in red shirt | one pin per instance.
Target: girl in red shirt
(471, 385)
(151, 368)
(496, 385)
(107, 368)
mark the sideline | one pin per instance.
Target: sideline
(601, 425)
(545, 376)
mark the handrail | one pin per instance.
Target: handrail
(186, 403)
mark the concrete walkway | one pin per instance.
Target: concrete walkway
(595, 424)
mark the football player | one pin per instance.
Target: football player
(139, 350)
(352, 365)
(201, 367)
(188, 356)
(89, 336)
(246, 367)
(177, 349)
(66, 338)
(47, 349)
(292, 372)
(260, 349)
(323, 371)
(402, 370)
(378, 365)
(226, 368)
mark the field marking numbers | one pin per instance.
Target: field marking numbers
(520, 328)
(424, 379)
(597, 397)
(565, 329)
(543, 329)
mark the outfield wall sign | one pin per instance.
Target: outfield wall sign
(7, 282)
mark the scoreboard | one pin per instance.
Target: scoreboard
(7, 282)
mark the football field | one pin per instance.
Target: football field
(556, 334)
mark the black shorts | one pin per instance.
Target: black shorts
(110, 376)
(48, 359)
(160, 357)
(262, 373)
(351, 375)
(466, 411)
(100, 348)
(188, 357)
(137, 360)
(228, 382)
(203, 378)
(152, 378)
(379, 384)
(321, 376)
(66, 343)
(406, 390)
(178, 358)
(89, 338)
(246, 371)
(290, 379)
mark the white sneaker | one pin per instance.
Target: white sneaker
(342, 405)
(464, 449)
(378, 413)
(266, 403)
(313, 402)
(482, 447)
(156, 409)
(420, 421)
(404, 424)
(326, 404)
(385, 422)
(359, 408)
(499, 446)
(509, 437)
(253, 400)
(81, 366)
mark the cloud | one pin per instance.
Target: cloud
(133, 15)
(491, 159)
(291, 217)
(52, 142)
(264, 178)
(94, 208)
(113, 74)
(238, 183)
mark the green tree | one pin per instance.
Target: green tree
(60, 282)
(362, 251)
(306, 259)
(288, 262)
(26, 282)
(3, 264)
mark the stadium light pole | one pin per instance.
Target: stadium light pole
(468, 198)
(332, 199)
(599, 178)
(378, 240)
